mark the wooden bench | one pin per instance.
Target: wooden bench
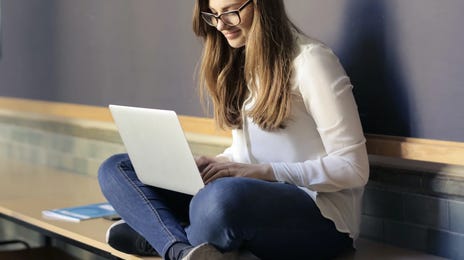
(27, 188)
(369, 250)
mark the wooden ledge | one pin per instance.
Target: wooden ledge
(79, 112)
(434, 151)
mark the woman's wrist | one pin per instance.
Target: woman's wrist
(267, 172)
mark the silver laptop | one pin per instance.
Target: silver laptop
(157, 148)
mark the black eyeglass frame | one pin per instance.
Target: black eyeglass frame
(218, 17)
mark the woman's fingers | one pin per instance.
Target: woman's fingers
(217, 170)
(203, 162)
(214, 171)
(217, 175)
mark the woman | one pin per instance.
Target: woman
(290, 185)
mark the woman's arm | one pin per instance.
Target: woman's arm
(327, 94)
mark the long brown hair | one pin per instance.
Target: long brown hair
(264, 66)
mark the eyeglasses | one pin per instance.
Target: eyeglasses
(230, 18)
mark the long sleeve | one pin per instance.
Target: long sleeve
(322, 148)
(235, 152)
(327, 95)
(227, 154)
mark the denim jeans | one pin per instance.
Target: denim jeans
(270, 219)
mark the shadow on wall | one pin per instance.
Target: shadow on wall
(368, 52)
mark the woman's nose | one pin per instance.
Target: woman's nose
(220, 25)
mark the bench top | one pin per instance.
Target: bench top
(26, 190)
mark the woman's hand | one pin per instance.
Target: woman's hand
(214, 168)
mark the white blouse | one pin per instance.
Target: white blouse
(322, 148)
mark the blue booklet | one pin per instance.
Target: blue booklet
(78, 213)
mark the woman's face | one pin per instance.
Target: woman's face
(236, 35)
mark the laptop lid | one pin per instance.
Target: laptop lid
(157, 148)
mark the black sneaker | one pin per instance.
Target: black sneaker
(123, 238)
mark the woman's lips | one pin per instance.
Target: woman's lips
(232, 34)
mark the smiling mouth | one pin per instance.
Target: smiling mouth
(232, 34)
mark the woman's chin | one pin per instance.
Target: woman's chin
(236, 43)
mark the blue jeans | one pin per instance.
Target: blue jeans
(272, 220)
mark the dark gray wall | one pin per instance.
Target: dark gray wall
(0, 29)
(403, 56)
(98, 52)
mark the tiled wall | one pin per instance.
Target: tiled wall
(415, 209)
(410, 208)
(64, 152)
(77, 148)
